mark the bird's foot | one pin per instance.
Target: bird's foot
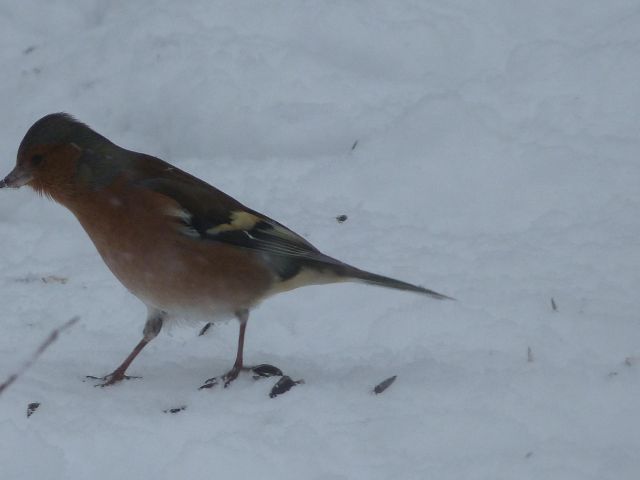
(232, 374)
(112, 378)
(260, 371)
(209, 383)
(227, 378)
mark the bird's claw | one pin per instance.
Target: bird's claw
(112, 379)
(212, 382)
(260, 371)
(231, 375)
(209, 383)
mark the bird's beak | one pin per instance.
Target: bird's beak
(16, 178)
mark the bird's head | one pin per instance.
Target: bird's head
(48, 156)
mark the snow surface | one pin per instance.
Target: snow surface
(497, 160)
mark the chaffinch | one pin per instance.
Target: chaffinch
(177, 243)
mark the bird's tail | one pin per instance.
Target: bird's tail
(353, 273)
(323, 269)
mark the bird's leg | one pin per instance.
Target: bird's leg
(263, 370)
(231, 375)
(118, 374)
(151, 330)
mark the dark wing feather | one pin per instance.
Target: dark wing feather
(211, 215)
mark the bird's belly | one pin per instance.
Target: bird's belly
(166, 283)
(188, 282)
(186, 276)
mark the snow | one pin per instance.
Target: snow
(497, 161)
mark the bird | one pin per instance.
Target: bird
(177, 243)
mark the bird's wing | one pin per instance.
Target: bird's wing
(208, 214)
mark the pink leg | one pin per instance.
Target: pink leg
(151, 330)
(231, 375)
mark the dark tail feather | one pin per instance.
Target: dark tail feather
(382, 281)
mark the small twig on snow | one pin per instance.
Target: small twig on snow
(43, 346)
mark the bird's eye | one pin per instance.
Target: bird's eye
(37, 160)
